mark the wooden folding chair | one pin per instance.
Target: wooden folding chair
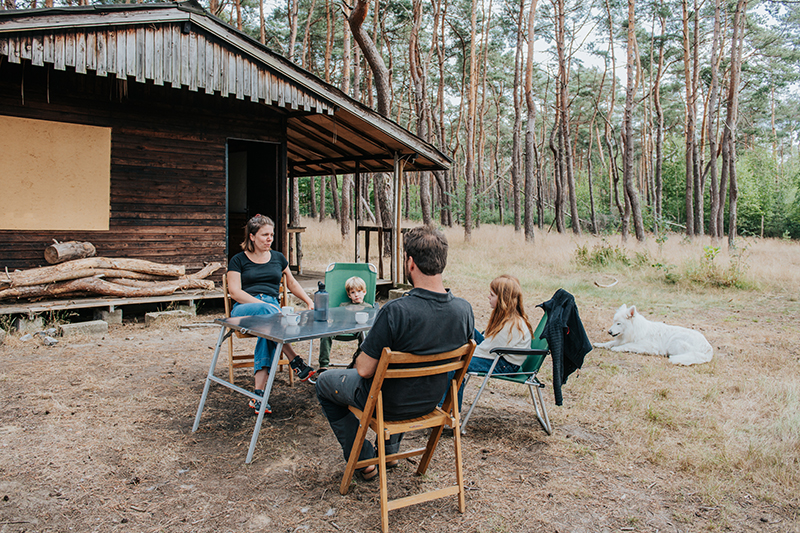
(373, 417)
(246, 360)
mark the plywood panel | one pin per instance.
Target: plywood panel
(55, 175)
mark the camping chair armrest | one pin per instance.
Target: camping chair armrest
(518, 351)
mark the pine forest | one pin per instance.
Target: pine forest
(597, 116)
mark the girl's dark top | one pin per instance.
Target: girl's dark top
(259, 278)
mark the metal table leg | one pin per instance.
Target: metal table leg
(209, 379)
(267, 389)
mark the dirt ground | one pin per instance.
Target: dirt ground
(96, 436)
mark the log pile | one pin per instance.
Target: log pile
(124, 278)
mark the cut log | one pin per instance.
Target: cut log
(97, 285)
(65, 271)
(67, 251)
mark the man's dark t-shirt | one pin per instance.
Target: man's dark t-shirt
(422, 323)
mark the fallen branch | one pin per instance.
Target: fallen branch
(205, 271)
(188, 283)
(607, 286)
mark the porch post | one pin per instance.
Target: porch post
(398, 215)
(357, 211)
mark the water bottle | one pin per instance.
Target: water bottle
(321, 304)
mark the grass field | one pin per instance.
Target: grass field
(726, 431)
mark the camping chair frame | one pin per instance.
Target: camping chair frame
(373, 417)
(246, 360)
(527, 375)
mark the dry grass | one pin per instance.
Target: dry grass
(96, 433)
(721, 430)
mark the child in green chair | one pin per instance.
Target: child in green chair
(356, 289)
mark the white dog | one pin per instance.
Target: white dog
(634, 333)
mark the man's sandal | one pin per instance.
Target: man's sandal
(367, 476)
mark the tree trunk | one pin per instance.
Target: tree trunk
(373, 57)
(307, 36)
(696, 172)
(312, 195)
(516, 142)
(262, 24)
(471, 105)
(293, 9)
(731, 118)
(689, 127)
(713, 101)
(631, 194)
(531, 157)
(658, 178)
(418, 72)
(337, 212)
(344, 219)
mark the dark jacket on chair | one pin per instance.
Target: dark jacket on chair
(566, 338)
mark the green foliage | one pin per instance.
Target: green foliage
(707, 272)
(602, 255)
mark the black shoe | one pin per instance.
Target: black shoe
(303, 371)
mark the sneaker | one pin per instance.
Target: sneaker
(256, 404)
(303, 371)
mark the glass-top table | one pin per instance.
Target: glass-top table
(341, 320)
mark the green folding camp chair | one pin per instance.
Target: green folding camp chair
(335, 277)
(338, 273)
(525, 375)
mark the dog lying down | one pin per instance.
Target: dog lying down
(634, 333)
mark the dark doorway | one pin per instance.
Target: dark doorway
(253, 188)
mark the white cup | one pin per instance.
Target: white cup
(293, 319)
(362, 317)
(287, 310)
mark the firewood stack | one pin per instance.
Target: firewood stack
(85, 276)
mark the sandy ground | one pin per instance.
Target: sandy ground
(96, 436)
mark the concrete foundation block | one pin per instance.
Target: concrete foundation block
(110, 317)
(2, 335)
(188, 308)
(93, 327)
(29, 325)
(152, 318)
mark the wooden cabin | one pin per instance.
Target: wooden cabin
(155, 130)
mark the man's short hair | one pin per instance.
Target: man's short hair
(428, 247)
(355, 284)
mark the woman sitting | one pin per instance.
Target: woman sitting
(254, 278)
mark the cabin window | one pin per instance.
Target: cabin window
(55, 176)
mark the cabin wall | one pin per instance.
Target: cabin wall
(168, 168)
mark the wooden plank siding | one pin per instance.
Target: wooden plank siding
(162, 54)
(168, 176)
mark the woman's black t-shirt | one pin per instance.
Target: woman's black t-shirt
(259, 278)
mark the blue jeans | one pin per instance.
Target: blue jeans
(265, 350)
(336, 390)
(480, 364)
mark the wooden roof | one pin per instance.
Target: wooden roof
(182, 45)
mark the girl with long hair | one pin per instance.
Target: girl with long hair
(508, 327)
